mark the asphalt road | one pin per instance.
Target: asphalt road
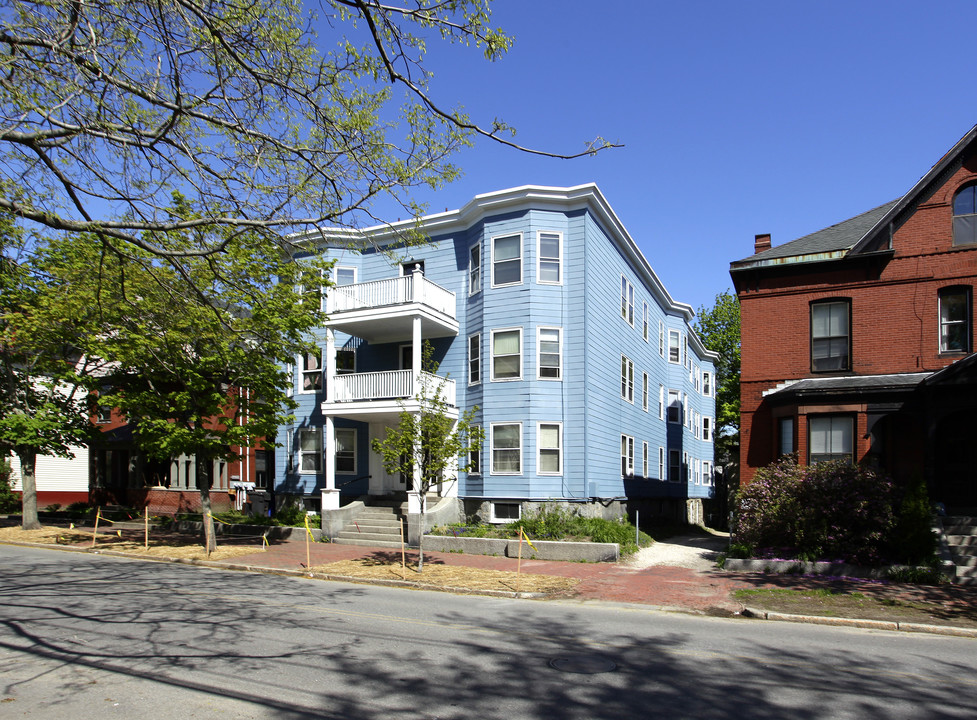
(88, 636)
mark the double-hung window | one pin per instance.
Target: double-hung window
(344, 275)
(965, 216)
(549, 258)
(627, 301)
(706, 383)
(627, 456)
(507, 354)
(674, 466)
(785, 444)
(549, 441)
(506, 260)
(674, 346)
(309, 444)
(644, 459)
(661, 463)
(830, 339)
(346, 451)
(627, 379)
(661, 338)
(506, 448)
(474, 359)
(661, 402)
(474, 457)
(475, 269)
(312, 371)
(644, 391)
(644, 322)
(674, 406)
(706, 428)
(706, 472)
(549, 351)
(955, 313)
(830, 437)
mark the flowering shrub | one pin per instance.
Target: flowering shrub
(828, 511)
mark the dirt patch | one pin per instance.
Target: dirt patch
(122, 541)
(450, 576)
(930, 605)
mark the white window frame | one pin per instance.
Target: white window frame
(688, 468)
(475, 362)
(311, 374)
(518, 259)
(302, 453)
(661, 463)
(475, 269)
(627, 455)
(645, 390)
(644, 321)
(494, 517)
(627, 301)
(627, 379)
(706, 473)
(698, 472)
(493, 448)
(707, 428)
(540, 448)
(540, 353)
(335, 274)
(675, 348)
(540, 259)
(493, 356)
(661, 338)
(474, 457)
(674, 400)
(674, 463)
(351, 431)
(644, 459)
(661, 401)
(707, 383)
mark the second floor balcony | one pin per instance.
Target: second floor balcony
(383, 310)
(386, 392)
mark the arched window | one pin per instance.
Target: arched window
(965, 216)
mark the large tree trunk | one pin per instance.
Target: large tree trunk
(210, 542)
(28, 484)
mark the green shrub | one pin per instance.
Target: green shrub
(9, 501)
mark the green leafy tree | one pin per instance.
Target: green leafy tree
(719, 329)
(430, 440)
(193, 375)
(261, 113)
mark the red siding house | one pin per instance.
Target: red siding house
(858, 339)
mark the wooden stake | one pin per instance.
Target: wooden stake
(519, 561)
(147, 527)
(98, 514)
(403, 553)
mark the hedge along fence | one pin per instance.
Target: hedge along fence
(832, 511)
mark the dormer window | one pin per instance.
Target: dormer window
(965, 216)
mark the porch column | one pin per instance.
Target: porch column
(330, 494)
(330, 366)
(415, 500)
(416, 353)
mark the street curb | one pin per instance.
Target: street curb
(861, 623)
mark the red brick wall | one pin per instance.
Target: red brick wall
(894, 309)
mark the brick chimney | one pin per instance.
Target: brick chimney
(761, 243)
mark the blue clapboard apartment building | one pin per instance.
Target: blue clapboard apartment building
(591, 386)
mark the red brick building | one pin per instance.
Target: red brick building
(858, 339)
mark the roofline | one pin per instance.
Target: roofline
(524, 197)
(949, 157)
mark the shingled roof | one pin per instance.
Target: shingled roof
(824, 244)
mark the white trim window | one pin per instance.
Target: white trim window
(674, 346)
(644, 321)
(505, 512)
(698, 472)
(686, 413)
(290, 383)
(696, 380)
(661, 402)
(644, 459)
(674, 406)
(627, 379)
(697, 424)
(346, 451)
(688, 468)
(312, 371)
(549, 353)
(627, 456)
(627, 301)
(475, 269)
(507, 354)
(549, 447)
(475, 359)
(706, 472)
(549, 258)
(308, 444)
(674, 466)
(474, 457)
(661, 463)
(344, 275)
(661, 338)
(706, 383)
(506, 445)
(707, 428)
(507, 260)
(686, 361)
(645, 389)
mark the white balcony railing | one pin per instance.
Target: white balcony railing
(414, 288)
(389, 385)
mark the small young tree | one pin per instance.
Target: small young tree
(429, 439)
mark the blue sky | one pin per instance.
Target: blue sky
(737, 118)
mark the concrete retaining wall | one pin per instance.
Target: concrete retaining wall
(545, 549)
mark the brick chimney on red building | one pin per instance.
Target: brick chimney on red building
(761, 243)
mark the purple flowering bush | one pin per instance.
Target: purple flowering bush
(829, 511)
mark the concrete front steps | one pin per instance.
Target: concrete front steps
(378, 525)
(961, 536)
